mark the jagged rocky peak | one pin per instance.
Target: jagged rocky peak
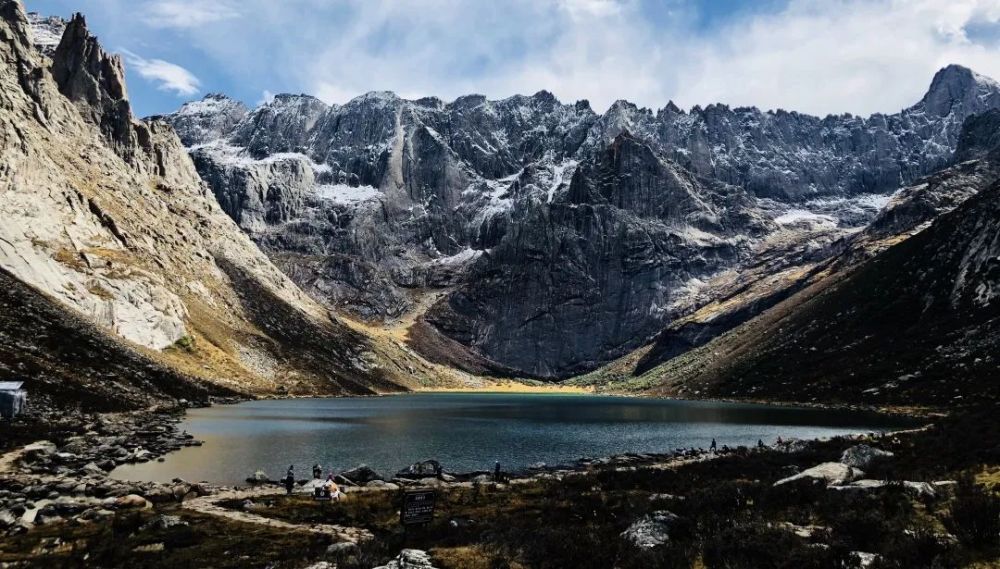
(46, 31)
(95, 81)
(958, 86)
(87, 74)
(211, 118)
(281, 125)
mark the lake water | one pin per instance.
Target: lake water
(469, 431)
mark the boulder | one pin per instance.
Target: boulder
(651, 530)
(833, 473)
(362, 474)
(917, 489)
(422, 469)
(862, 456)
(165, 522)
(410, 559)
(160, 495)
(38, 449)
(180, 491)
(133, 501)
(864, 559)
(342, 548)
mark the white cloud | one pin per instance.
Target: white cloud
(837, 56)
(815, 56)
(266, 97)
(167, 76)
(188, 13)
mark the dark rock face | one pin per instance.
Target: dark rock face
(918, 322)
(609, 258)
(95, 81)
(565, 237)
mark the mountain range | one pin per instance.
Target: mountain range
(552, 238)
(388, 244)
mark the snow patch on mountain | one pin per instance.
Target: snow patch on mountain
(46, 32)
(347, 195)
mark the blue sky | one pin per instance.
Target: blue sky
(816, 56)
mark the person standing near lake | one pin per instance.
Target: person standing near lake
(496, 472)
(712, 447)
(290, 479)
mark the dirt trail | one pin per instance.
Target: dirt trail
(210, 505)
(9, 459)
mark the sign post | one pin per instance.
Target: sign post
(418, 507)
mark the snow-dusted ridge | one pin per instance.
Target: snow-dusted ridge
(592, 218)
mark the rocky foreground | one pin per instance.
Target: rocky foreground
(916, 499)
(48, 482)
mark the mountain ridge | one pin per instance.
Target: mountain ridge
(392, 188)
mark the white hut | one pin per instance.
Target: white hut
(13, 399)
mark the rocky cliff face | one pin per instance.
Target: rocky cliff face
(563, 237)
(918, 323)
(105, 217)
(903, 311)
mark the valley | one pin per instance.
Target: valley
(544, 283)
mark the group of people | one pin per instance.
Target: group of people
(714, 447)
(327, 489)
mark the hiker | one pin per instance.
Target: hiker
(760, 443)
(331, 488)
(496, 472)
(317, 471)
(712, 447)
(290, 479)
(779, 440)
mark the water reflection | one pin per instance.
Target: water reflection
(470, 431)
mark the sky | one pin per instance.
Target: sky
(813, 56)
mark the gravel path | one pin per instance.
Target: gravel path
(210, 505)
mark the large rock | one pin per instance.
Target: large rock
(410, 559)
(862, 456)
(832, 473)
(422, 469)
(651, 530)
(133, 501)
(361, 474)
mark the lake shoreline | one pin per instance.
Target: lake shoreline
(606, 426)
(626, 474)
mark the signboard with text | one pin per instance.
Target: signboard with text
(418, 507)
